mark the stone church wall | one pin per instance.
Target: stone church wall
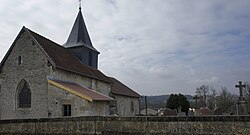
(94, 84)
(127, 106)
(34, 70)
(79, 106)
(210, 125)
(103, 87)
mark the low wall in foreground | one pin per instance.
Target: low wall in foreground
(223, 125)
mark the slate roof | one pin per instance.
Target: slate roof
(79, 34)
(65, 60)
(119, 88)
(80, 91)
(60, 57)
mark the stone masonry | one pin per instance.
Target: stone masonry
(80, 107)
(124, 106)
(46, 99)
(212, 125)
(34, 70)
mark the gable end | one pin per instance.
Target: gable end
(14, 43)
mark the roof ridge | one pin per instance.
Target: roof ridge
(120, 88)
(44, 37)
(121, 83)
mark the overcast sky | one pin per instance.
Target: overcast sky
(153, 46)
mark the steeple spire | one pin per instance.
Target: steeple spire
(79, 42)
(79, 35)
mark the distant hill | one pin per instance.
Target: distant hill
(157, 102)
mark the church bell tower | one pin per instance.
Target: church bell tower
(79, 43)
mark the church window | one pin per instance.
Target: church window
(90, 59)
(19, 59)
(132, 106)
(67, 110)
(24, 95)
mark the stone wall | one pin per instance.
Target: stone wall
(33, 69)
(223, 125)
(127, 106)
(79, 106)
(27, 61)
(99, 86)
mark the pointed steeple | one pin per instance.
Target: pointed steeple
(79, 35)
(79, 42)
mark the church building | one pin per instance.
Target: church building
(40, 78)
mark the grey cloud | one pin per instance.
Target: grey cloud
(154, 46)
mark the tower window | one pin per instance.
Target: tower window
(67, 110)
(19, 60)
(24, 95)
(90, 59)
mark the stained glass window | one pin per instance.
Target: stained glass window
(24, 95)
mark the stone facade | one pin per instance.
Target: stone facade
(99, 86)
(27, 61)
(34, 70)
(80, 106)
(127, 106)
(46, 100)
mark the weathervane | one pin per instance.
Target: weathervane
(80, 4)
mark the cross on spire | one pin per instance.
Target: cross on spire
(80, 4)
(240, 86)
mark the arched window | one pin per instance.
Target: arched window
(24, 95)
(90, 59)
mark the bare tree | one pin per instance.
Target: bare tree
(226, 99)
(202, 91)
(212, 98)
(247, 89)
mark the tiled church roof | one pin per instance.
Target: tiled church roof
(119, 88)
(63, 59)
